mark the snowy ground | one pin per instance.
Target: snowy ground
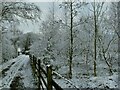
(19, 70)
(93, 82)
(18, 67)
(84, 78)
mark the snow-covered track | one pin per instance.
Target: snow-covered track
(19, 62)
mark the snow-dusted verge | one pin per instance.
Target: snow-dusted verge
(22, 68)
(84, 79)
(93, 82)
(104, 81)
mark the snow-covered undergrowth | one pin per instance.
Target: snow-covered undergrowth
(84, 78)
(8, 50)
(21, 67)
(90, 82)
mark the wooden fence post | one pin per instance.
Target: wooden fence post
(39, 81)
(34, 66)
(49, 77)
(32, 59)
(34, 62)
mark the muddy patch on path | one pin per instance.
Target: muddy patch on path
(6, 69)
(17, 84)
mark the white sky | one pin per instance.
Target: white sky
(45, 7)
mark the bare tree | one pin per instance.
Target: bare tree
(107, 40)
(50, 29)
(101, 26)
(97, 11)
(72, 8)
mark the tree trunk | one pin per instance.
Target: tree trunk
(95, 41)
(71, 43)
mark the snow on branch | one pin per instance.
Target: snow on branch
(66, 79)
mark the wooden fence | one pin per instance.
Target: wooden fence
(43, 75)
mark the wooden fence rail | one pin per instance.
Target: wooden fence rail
(44, 76)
